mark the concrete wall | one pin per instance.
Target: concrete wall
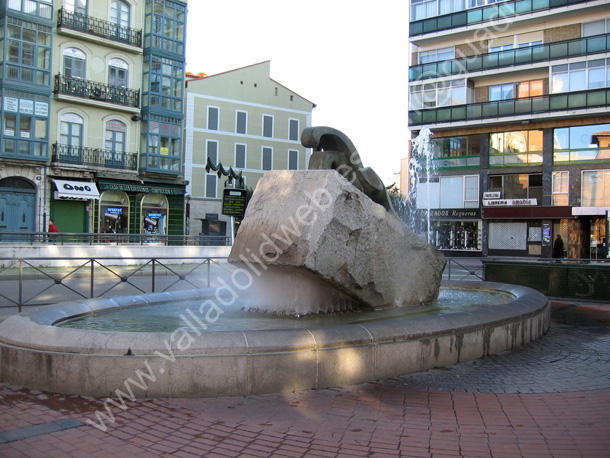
(122, 253)
(37, 355)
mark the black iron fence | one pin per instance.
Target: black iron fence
(94, 157)
(86, 89)
(37, 281)
(98, 27)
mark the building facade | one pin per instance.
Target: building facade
(245, 121)
(92, 113)
(516, 94)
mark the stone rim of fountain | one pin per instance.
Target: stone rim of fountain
(35, 354)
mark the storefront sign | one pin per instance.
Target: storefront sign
(114, 210)
(155, 215)
(510, 202)
(234, 202)
(75, 190)
(140, 188)
(491, 195)
(456, 213)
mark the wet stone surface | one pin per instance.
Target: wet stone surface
(573, 356)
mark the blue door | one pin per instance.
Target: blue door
(17, 205)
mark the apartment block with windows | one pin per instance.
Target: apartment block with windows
(245, 121)
(516, 94)
(92, 115)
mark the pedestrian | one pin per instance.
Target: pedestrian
(558, 247)
(52, 226)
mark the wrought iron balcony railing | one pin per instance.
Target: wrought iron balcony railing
(99, 28)
(508, 58)
(484, 13)
(593, 98)
(94, 157)
(86, 89)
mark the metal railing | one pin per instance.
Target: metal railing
(23, 282)
(484, 13)
(95, 157)
(464, 269)
(89, 238)
(593, 98)
(98, 27)
(519, 56)
(86, 89)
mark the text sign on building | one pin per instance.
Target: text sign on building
(491, 195)
(510, 202)
(455, 213)
(234, 202)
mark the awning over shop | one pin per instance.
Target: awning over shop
(75, 190)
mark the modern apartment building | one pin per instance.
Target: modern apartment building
(245, 121)
(92, 114)
(517, 96)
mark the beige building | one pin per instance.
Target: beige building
(243, 120)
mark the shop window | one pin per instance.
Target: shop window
(457, 235)
(508, 236)
(114, 212)
(154, 213)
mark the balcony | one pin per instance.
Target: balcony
(520, 56)
(485, 13)
(98, 28)
(85, 89)
(93, 157)
(594, 98)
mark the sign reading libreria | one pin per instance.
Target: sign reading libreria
(510, 202)
(234, 202)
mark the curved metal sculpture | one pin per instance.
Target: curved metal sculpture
(334, 150)
(220, 171)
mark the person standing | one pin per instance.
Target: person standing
(558, 247)
(52, 226)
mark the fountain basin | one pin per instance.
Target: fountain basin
(37, 355)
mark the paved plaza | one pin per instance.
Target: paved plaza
(550, 398)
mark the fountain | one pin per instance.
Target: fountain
(326, 250)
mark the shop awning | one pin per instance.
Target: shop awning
(75, 190)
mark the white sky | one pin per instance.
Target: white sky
(349, 58)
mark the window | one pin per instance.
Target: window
(267, 126)
(240, 156)
(211, 184)
(293, 130)
(422, 9)
(71, 136)
(42, 8)
(213, 118)
(436, 55)
(211, 150)
(241, 122)
(114, 143)
(595, 188)
(117, 73)
(27, 57)
(579, 76)
(518, 186)
(293, 160)
(166, 82)
(600, 27)
(267, 159)
(76, 6)
(74, 63)
(441, 94)
(561, 183)
(513, 148)
(165, 21)
(161, 140)
(581, 143)
(516, 90)
(459, 191)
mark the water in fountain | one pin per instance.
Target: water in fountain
(421, 165)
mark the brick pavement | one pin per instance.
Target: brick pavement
(550, 399)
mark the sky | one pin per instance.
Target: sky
(349, 58)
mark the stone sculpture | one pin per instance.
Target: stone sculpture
(321, 244)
